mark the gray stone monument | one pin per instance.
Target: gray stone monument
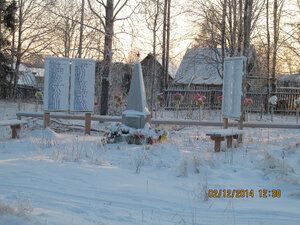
(136, 114)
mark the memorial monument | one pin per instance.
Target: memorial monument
(136, 114)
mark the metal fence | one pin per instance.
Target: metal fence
(286, 98)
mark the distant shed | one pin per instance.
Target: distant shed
(292, 80)
(199, 67)
(148, 65)
(27, 84)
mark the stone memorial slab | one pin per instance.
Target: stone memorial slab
(234, 69)
(56, 84)
(82, 85)
(136, 114)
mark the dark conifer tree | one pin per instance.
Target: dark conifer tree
(7, 27)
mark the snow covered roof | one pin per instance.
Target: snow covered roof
(287, 80)
(199, 66)
(38, 72)
(26, 77)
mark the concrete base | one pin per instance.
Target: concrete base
(135, 120)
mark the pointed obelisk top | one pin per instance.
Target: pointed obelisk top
(136, 113)
(137, 95)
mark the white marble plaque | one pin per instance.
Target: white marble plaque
(82, 85)
(56, 84)
(232, 87)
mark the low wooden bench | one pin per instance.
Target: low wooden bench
(15, 126)
(220, 135)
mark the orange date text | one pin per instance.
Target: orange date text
(230, 193)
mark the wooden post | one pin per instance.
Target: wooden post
(14, 130)
(229, 141)
(19, 104)
(177, 108)
(87, 127)
(36, 105)
(261, 111)
(272, 113)
(241, 121)
(297, 114)
(155, 114)
(217, 143)
(225, 125)
(46, 119)
(199, 112)
(240, 127)
(190, 113)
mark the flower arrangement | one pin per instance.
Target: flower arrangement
(118, 100)
(273, 101)
(177, 98)
(248, 102)
(163, 135)
(199, 100)
(139, 134)
(220, 98)
(160, 98)
(95, 101)
(297, 103)
(120, 132)
(39, 95)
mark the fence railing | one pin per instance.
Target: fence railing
(286, 98)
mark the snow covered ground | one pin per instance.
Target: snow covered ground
(69, 178)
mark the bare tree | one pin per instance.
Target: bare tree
(111, 12)
(228, 24)
(152, 11)
(166, 41)
(74, 30)
(31, 29)
(277, 12)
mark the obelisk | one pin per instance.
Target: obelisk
(136, 114)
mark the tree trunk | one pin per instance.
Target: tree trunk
(223, 44)
(81, 30)
(66, 40)
(247, 33)
(12, 60)
(247, 26)
(168, 45)
(274, 58)
(268, 50)
(154, 55)
(230, 22)
(234, 28)
(19, 48)
(109, 32)
(240, 34)
(164, 82)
